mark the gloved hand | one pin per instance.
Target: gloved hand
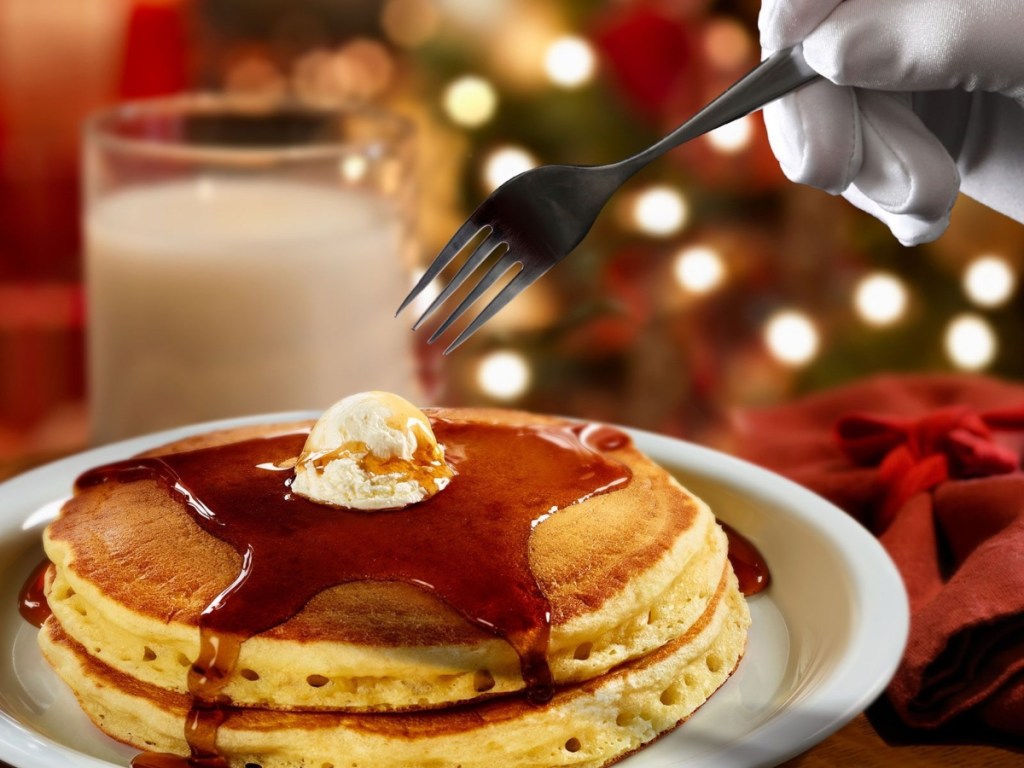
(926, 97)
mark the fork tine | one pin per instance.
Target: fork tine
(516, 285)
(478, 257)
(498, 268)
(459, 240)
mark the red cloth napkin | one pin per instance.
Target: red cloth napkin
(931, 464)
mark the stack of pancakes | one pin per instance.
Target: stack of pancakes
(646, 622)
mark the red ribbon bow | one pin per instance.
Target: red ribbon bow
(916, 455)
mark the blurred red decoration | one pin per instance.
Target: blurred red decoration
(666, 66)
(650, 55)
(625, 287)
(107, 51)
(155, 61)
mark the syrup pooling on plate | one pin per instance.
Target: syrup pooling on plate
(32, 603)
(506, 480)
(748, 563)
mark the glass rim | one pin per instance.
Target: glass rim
(97, 128)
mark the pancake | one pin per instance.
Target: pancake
(586, 725)
(632, 576)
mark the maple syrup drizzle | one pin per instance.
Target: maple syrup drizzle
(748, 563)
(32, 603)
(293, 549)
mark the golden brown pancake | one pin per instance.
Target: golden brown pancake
(587, 724)
(636, 578)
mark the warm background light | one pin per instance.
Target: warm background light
(353, 168)
(699, 269)
(880, 299)
(792, 338)
(659, 211)
(732, 137)
(410, 23)
(504, 163)
(503, 375)
(727, 44)
(518, 43)
(970, 342)
(989, 281)
(569, 62)
(470, 101)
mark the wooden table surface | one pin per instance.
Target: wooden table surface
(872, 740)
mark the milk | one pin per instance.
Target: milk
(220, 297)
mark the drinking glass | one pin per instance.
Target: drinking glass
(243, 257)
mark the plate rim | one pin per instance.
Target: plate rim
(865, 666)
(886, 615)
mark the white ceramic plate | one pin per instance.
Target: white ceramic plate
(826, 636)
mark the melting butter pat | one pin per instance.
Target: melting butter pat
(372, 450)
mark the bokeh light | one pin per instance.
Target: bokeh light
(505, 162)
(792, 338)
(569, 62)
(360, 70)
(255, 75)
(989, 281)
(516, 56)
(699, 269)
(470, 101)
(727, 44)
(353, 168)
(732, 137)
(970, 342)
(880, 299)
(660, 211)
(410, 23)
(503, 375)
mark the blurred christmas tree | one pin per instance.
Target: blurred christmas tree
(710, 281)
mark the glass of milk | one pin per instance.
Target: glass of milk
(244, 257)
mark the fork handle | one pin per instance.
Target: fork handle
(779, 74)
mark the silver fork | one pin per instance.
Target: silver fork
(537, 218)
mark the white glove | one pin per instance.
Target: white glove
(926, 97)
